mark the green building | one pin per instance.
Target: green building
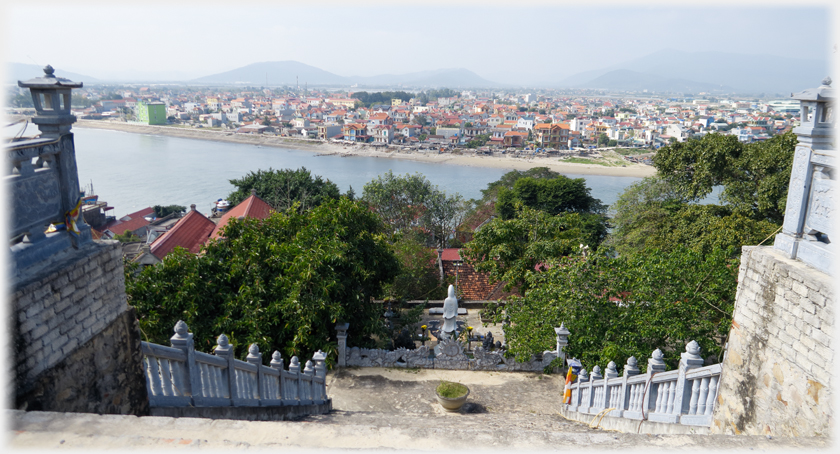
(153, 113)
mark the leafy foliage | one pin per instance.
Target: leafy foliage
(627, 306)
(410, 203)
(282, 282)
(552, 195)
(419, 277)
(384, 97)
(282, 189)
(511, 249)
(754, 176)
(163, 211)
(652, 214)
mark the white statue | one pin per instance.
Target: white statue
(450, 312)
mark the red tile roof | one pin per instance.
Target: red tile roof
(129, 222)
(252, 207)
(451, 255)
(190, 233)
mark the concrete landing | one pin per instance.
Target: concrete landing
(383, 409)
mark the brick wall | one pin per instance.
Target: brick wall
(62, 305)
(776, 377)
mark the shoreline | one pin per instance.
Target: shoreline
(325, 148)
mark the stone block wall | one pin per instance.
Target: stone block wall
(776, 378)
(60, 307)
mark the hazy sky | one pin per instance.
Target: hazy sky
(496, 41)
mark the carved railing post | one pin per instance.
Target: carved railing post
(630, 370)
(583, 380)
(277, 364)
(341, 328)
(808, 226)
(294, 370)
(690, 359)
(309, 371)
(255, 358)
(655, 364)
(225, 350)
(183, 340)
(562, 338)
(609, 375)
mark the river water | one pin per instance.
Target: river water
(133, 171)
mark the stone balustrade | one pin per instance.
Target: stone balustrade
(685, 396)
(179, 376)
(448, 354)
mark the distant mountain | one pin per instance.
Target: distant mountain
(452, 77)
(287, 72)
(626, 80)
(276, 73)
(24, 72)
(745, 73)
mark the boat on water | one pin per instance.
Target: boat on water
(222, 205)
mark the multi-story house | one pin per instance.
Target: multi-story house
(356, 132)
(551, 135)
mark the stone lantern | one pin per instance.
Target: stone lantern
(808, 226)
(51, 97)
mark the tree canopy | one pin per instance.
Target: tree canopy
(626, 306)
(509, 249)
(282, 189)
(163, 211)
(411, 202)
(281, 282)
(551, 195)
(754, 176)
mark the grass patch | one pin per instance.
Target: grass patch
(451, 390)
(586, 161)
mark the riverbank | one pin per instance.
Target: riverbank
(325, 148)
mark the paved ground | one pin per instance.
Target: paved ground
(384, 409)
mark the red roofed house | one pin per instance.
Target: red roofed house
(190, 233)
(470, 284)
(252, 207)
(136, 223)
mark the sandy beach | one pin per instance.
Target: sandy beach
(395, 152)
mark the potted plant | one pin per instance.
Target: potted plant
(451, 396)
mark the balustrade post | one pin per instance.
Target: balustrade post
(183, 340)
(610, 374)
(255, 357)
(583, 379)
(309, 370)
(562, 338)
(690, 359)
(655, 365)
(277, 364)
(320, 359)
(590, 400)
(225, 350)
(294, 369)
(630, 370)
(341, 328)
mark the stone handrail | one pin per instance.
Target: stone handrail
(448, 354)
(179, 376)
(43, 186)
(684, 396)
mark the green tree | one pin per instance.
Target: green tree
(163, 211)
(652, 213)
(754, 176)
(419, 277)
(127, 237)
(282, 189)
(603, 139)
(556, 195)
(281, 282)
(510, 249)
(626, 306)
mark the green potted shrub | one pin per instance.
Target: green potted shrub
(451, 396)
